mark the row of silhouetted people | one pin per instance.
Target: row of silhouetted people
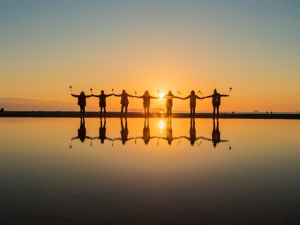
(216, 101)
(124, 133)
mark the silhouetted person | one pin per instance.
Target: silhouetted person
(216, 101)
(169, 132)
(193, 97)
(1, 110)
(124, 132)
(169, 102)
(146, 102)
(124, 101)
(102, 101)
(102, 132)
(146, 132)
(81, 132)
(192, 137)
(82, 102)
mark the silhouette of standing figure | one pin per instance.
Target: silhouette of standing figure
(216, 102)
(81, 132)
(192, 137)
(82, 102)
(169, 132)
(169, 102)
(102, 101)
(146, 102)
(124, 101)
(102, 132)
(193, 97)
(146, 132)
(124, 132)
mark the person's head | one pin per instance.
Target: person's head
(123, 142)
(82, 93)
(123, 91)
(215, 91)
(102, 140)
(215, 144)
(102, 92)
(146, 142)
(192, 92)
(170, 92)
(146, 92)
(192, 142)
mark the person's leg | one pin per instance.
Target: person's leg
(148, 111)
(193, 110)
(126, 107)
(104, 110)
(100, 111)
(144, 111)
(218, 111)
(214, 112)
(122, 107)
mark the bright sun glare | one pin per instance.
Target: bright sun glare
(161, 124)
(161, 95)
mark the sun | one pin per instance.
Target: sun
(161, 95)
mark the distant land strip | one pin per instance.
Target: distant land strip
(74, 114)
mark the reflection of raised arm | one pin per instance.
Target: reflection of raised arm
(110, 139)
(120, 139)
(73, 138)
(148, 138)
(88, 137)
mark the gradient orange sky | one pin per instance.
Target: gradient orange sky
(252, 47)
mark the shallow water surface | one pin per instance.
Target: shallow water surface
(149, 171)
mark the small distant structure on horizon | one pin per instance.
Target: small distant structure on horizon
(256, 111)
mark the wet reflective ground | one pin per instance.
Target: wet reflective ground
(156, 171)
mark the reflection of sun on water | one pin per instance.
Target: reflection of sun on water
(161, 125)
(161, 95)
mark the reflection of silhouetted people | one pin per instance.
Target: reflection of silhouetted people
(102, 102)
(124, 132)
(102, 132)
(216, 135)
(169, 102)
(216, 101)
(146, 101)
(124, 101)
(81, 132)
(192, 137)
(169, 132)
(146, 132)
(193, 99)
(82, 102)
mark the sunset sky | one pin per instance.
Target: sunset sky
(251, 46)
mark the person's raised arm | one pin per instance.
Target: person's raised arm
(185, 97)
(199, 97)
(224, 95)
(95, 138)
(132, 96)
(140, 96)
(109, 95)
(88, 96)
(73, 138)
(117, 95)
(176, 97)
(209, 96)
(98, 96)
(75, 95)
(154, 97)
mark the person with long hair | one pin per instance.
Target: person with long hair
(169, 102)
(82, 102)
(146, 102)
